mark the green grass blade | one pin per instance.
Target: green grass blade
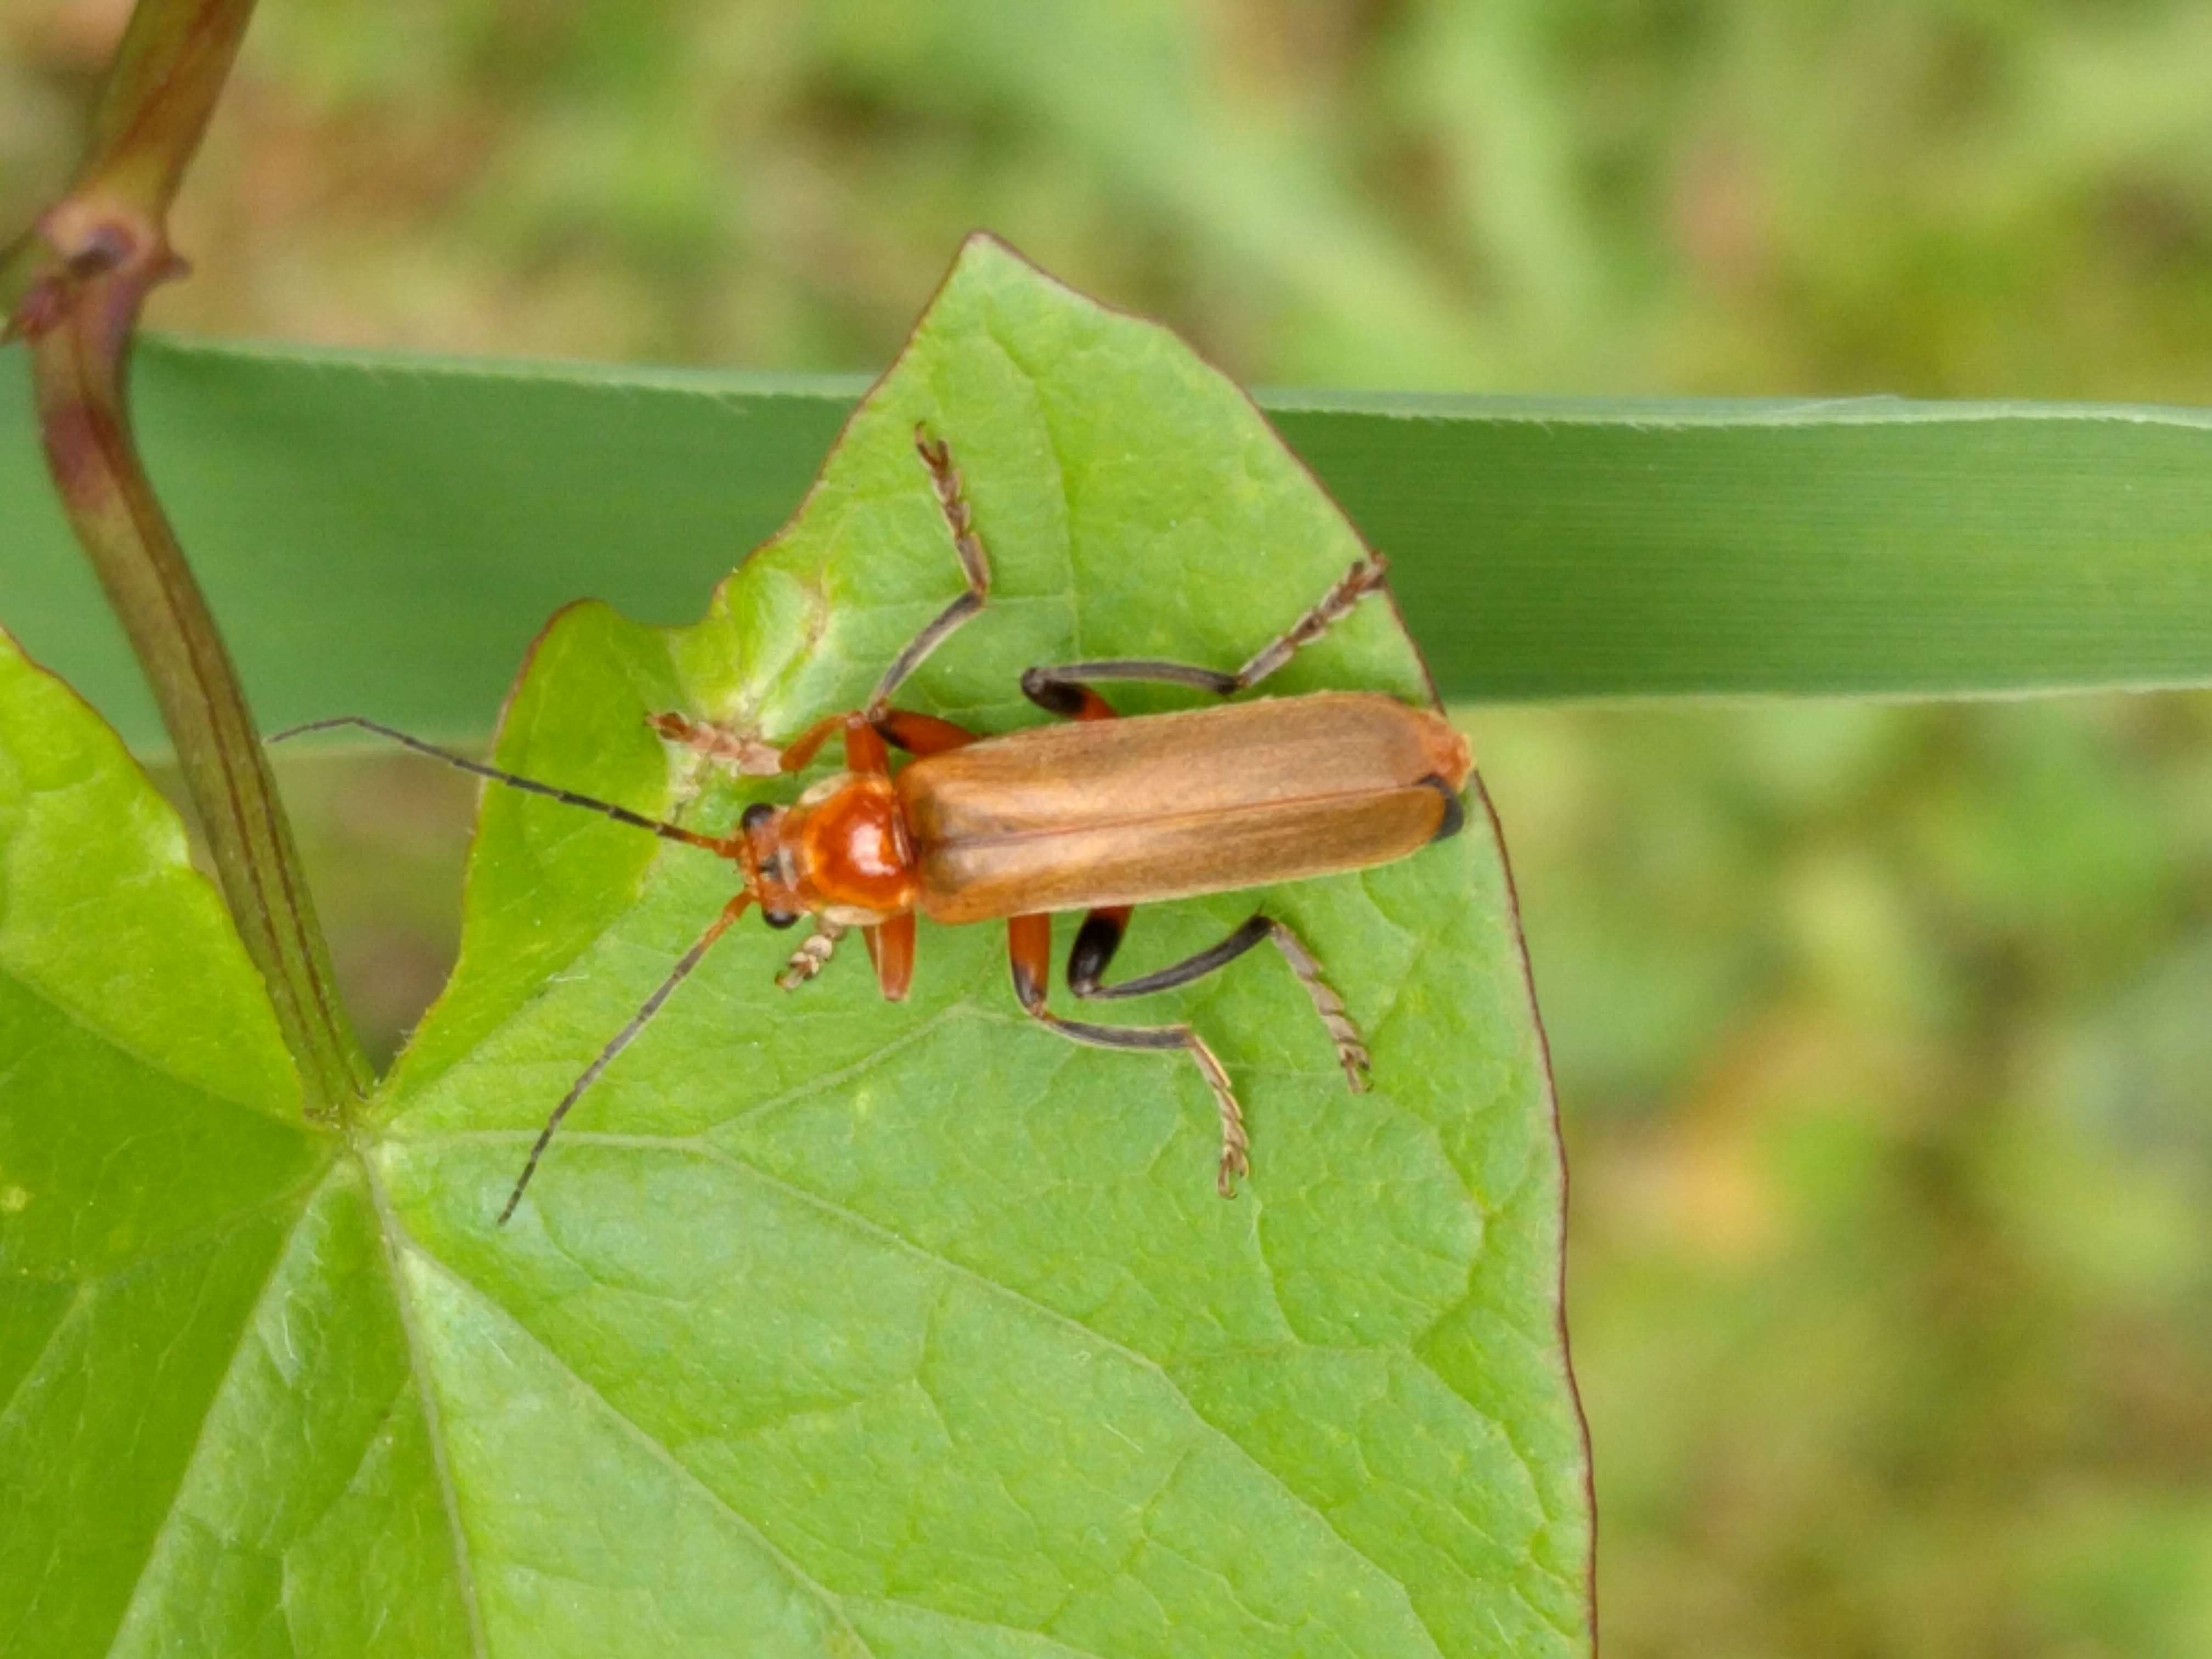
(383, 535)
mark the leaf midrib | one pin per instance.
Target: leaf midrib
(305, 1196)
(391, 1237)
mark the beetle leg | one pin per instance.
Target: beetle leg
(1029, 951)
(755, 757)
(975, 565)
(1062, 690)
(1100, 936)
(864, 747)
(891, 947)
(1351, 1052)
(748, 755)
(1366, 575)
(812, 957)
(1070, 699)
(920, 734)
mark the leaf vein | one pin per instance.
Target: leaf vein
(277, 1258)
(16, 1395)
(865, 1224)
(395, 1238)
(660, 1454)
(975, 1623)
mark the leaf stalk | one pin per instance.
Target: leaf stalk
(75, 288)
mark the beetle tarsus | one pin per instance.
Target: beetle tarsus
(1366, 575)
(745, 753)
(944, 482)
(1351, 1052)
(812, 957)
(1235, 1144)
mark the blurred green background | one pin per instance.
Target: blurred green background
(1883, 1033)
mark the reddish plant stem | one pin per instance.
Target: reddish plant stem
(76, 287)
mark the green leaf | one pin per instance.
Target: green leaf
(206, 1414)
(382, 534)
(835, 1326)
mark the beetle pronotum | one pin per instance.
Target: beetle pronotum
(1099, 816)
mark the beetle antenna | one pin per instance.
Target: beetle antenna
(659, 827)
(622, 1039)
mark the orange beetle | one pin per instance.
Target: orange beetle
(1097, 816)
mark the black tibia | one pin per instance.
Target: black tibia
(975, 565)
(1100, 936)
(1120, 1036)
(1062, 688)
(1056, 688)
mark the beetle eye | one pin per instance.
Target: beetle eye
(755, 816)
(780, 918)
